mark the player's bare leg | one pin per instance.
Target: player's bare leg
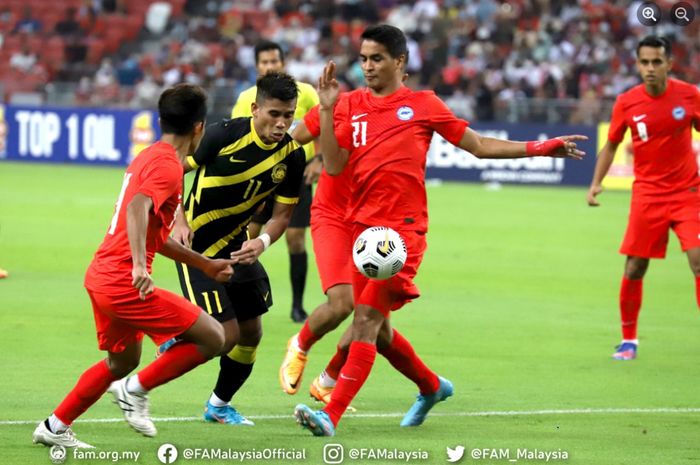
(694, 262)
(325, 318)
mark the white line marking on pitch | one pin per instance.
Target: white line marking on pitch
(504, 413)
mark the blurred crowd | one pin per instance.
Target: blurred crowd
(489, 59)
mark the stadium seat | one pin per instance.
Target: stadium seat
(96, 50)
(133, 25)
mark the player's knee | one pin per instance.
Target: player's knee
(214, 343)
(366, 325)
(636, 268)
(341, 306)
(251, 338)
(121, 368)
(296, 243)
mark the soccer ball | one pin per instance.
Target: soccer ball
(379, 252)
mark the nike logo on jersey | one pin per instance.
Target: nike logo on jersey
(354, 117)
(639, 118)
(233, 160)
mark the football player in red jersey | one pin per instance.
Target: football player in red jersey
(382, 133)
(660, 113)
(126, 304)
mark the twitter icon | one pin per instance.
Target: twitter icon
(456, 454)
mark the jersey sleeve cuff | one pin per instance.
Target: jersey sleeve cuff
(287, 200)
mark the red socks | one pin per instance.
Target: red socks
(176, 361)
(630, 304)
(697, 290)
(401, 355)
(353, 375)
(305, 338)
(90, 387)
(336, 364)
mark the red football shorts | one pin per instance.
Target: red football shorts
(124, 319)
(650, 220)
(393, 293)
(332, 240)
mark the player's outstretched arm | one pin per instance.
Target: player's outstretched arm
(274, 228)
(602, 166)
(488, 147)
(218, 269)
(334, 157)
(136, 228)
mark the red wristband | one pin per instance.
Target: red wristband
(543, 148)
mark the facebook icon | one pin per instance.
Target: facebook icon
(167, 453)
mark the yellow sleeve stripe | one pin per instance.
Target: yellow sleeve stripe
(190, 161)
(287, 200)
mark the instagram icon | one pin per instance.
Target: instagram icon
(333, 453)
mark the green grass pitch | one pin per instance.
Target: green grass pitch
(519, 310)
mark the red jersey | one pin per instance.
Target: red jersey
(156, 173)
(332, 192)
(661, 126)
(388, 139)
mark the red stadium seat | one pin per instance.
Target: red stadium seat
(133, 26)
(178, 7)
(113, 39)
(96, 50)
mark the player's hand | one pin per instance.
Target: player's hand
(182, 233)
(560, 147)
(593, 192)
(142, 281)
(313, 171)
(249, 252)
(328, 88)
(220, 270)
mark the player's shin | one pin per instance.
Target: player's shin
(178, 360)
(234, 369)
(353, 375)
(401, 355)
(90, 387)
(630, 305)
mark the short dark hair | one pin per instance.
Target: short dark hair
(655, 42)
(181, 107)
(281, 86)
(265, 46)
(390, 37)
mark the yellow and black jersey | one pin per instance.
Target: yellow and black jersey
(236, 173)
